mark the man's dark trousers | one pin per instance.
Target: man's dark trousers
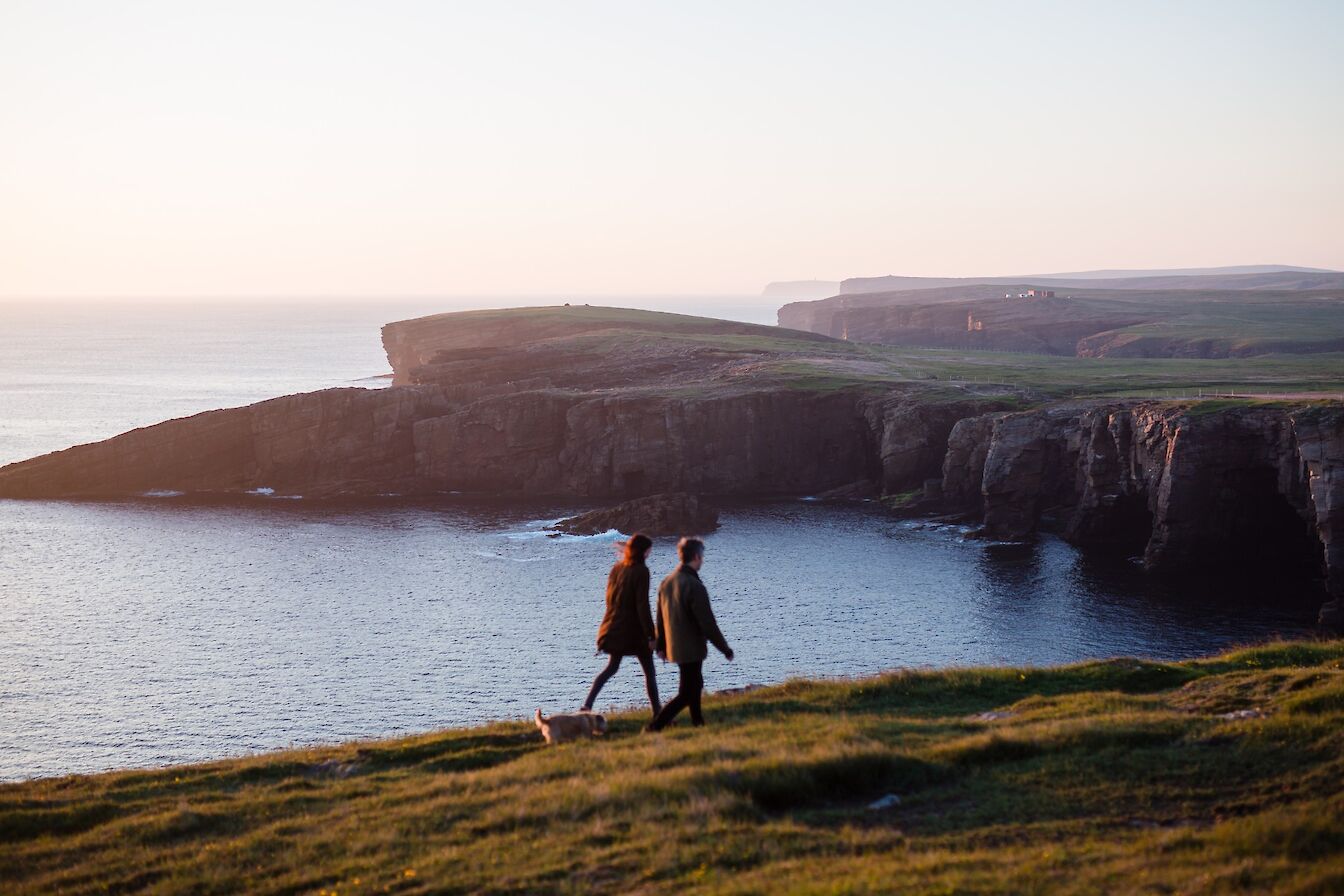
(689, 688)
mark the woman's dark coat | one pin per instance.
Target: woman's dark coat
(627, 626)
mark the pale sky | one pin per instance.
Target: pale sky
(397, 147)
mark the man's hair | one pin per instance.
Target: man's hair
(690, 548)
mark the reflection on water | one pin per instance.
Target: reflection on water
(155, 632)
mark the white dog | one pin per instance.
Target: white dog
(560, 728)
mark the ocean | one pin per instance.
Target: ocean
(150, 632)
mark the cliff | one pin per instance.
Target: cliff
(1187, 485)
(560, 401)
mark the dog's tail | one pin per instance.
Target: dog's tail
(539, 718)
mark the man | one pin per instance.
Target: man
(685, 623)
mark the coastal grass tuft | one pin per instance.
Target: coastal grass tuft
(1218, 775)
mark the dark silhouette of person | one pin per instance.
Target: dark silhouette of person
(627, 627)
(686, 626)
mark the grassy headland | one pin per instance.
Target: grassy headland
(620, 348)
(1212, 776)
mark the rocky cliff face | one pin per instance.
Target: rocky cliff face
(565, 401)
(1184, 485)
(753, 443)
(337, 441)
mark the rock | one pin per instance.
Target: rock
(991, 716)
(671, 514)
(336, 441)
(887, 802)
(913, 436)
(1253, 713)
(1184, 486)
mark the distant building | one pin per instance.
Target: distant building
(1040, 293)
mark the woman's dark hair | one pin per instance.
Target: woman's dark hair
(636, 548)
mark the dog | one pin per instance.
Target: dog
(560, 728)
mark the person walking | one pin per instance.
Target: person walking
(686, 626)
(627, 626)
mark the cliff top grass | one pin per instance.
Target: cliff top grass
(1047, 377)
(619, 343)
(1222, 775)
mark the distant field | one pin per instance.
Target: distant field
(1193, 323)
(1055, 377)
(615, 348)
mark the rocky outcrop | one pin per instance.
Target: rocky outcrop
(656, 515)
(414, 440)
(912, 436)
(337, 441)
(963, 467)
(1186, 484)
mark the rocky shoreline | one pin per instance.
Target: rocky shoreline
(610, 406)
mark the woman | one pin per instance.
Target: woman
(627, 626)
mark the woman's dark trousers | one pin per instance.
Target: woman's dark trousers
(650, 681)
(688, 697)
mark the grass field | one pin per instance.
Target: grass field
(1092, 322)
(1223, 775)
(676, 354)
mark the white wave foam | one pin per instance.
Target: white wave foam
(162, 493)
(529, 535)
(263, 491)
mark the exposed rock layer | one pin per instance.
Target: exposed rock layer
(1185, 485)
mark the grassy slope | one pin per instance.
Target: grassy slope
(767, 357)
(833, 364)
(1247, 321)
(1118, 776)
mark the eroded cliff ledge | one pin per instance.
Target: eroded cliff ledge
(1186, 484)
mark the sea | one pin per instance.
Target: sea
(151, 632)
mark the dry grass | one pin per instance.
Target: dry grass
(1117, 776)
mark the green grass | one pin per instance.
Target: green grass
(1116, 776)
(1046, 377)
(712, 355)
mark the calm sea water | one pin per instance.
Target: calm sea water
(161, 631)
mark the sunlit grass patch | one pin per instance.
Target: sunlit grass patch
(1112, 776)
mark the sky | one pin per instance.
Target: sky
(188, 148)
